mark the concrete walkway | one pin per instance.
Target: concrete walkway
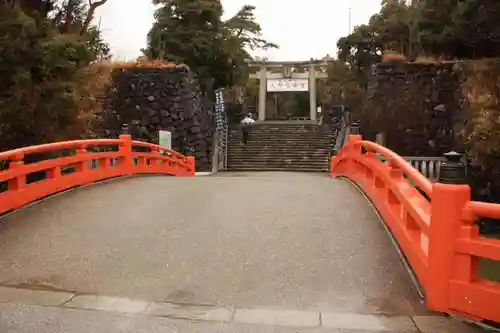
(271, 246)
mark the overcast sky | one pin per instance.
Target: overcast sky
(301, 32)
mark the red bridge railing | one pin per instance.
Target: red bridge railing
(437, 234)
(64, 165)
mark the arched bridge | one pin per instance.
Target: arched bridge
(235, 252)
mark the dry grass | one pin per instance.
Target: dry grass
(425, 59)
(143, 62)
(95, 81)
(433, 59)
(393, 56)
(482, 132)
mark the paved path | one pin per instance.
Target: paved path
(247, 241)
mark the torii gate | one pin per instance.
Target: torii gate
(288, 80)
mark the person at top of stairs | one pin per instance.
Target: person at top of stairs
(245, 123)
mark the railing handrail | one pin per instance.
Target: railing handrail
(438, 234)
(82, 167)
(483, 209)
(6, 155)
(399, 161)
(158, 148)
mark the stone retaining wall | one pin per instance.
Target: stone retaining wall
(416, 105)
(146, 100)
(427, 109)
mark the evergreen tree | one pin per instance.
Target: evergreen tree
(43, 72)
(193, 32)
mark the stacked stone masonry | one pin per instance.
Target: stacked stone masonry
(146, 100)
(415, 105)
(428, 109)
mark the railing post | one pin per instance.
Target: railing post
(125, 150)
(352, 150)
(449, 197)
(348, 150)
(333, 160)
(85, 164)
(351, 143)
(18, 183)
(192, 163)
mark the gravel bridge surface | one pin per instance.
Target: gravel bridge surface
(242, 252)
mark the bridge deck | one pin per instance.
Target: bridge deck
(294, 241)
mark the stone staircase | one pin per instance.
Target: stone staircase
(280, 147)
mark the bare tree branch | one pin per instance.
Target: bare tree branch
(90, 14)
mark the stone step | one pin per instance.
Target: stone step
(277, 154)
(293, 134)
(281, 145)
(271, 168)
(294, 150)
(274, 140)
(296, 132)
(277, 150)
(280, 148)
(320, 166)
(251, 130)
(283, 126)
(259, 159)
(269, 151)
(311, 156)
(277, 142)
(278, 166)
(281, 136)
(271, 157)
(260, 141)
(278, 160)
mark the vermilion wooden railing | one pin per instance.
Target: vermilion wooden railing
(82, 166)
(438, 236)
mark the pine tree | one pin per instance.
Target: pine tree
(193, 32)
(189, 32)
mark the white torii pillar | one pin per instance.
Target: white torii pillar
(312, 92)
(262, 92)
